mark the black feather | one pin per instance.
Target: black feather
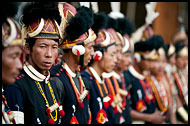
(125, 26)
(141, 46)
(112, 23)
(36, 10)
(8, 9)
(100, 21)
(80, 23)
(155, 42)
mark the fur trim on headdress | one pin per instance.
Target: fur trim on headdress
(80, 23)
(38, 10)
(100, 21)
(125, 26)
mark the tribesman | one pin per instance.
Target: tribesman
(77, 45)
(170, 69)
(180, 75)
(158, 80)
(34, 92)
(144, 108)
(126, 28)
(11, 64)
(111, 78)
(104, 60)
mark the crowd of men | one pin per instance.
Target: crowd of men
(76, 65)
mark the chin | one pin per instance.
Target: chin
(109, 70)
(11, 81)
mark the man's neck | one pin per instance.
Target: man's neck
(44, 72)
(137, 68)
(71, 63)
(97, 69)
(118, 70)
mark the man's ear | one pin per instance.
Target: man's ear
(27, 48)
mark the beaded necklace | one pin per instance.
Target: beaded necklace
(99, 88)
(147, 90)
(6, 111)
(80, 95)
(117, 105)
(181, 87)
(124, 102)
(47, 103)
(157, 92)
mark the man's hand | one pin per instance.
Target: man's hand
(157, 117)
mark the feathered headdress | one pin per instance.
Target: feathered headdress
(11, 34)
(40, 20)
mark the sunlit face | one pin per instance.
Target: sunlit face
(118, 54)
(108, 62)
(172, 59)
(43, 54)
(153, 67)
(11, 64)
(126, 61)
(144, 64)
(162, 64)
(181, 62)
(89, 52)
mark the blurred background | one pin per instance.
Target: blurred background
(173, 15)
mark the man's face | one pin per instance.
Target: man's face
(43, 54)
(153, 67)
(144, 64)
(172, 59)
(11, 64)
(126, 61)
(181, 62)
(119, 55)
(162, 64)
(108, 62)
(89, 52)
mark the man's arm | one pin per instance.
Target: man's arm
(155, 118)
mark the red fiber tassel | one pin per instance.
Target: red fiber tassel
(115, 110)
(78, 52)
(147, 99)
(106, 104)
(81, 105)
(51, 121)
(61, 113)
(111, 99)
(48, 110)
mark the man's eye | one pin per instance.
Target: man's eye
(55, 47)
(42, 46)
